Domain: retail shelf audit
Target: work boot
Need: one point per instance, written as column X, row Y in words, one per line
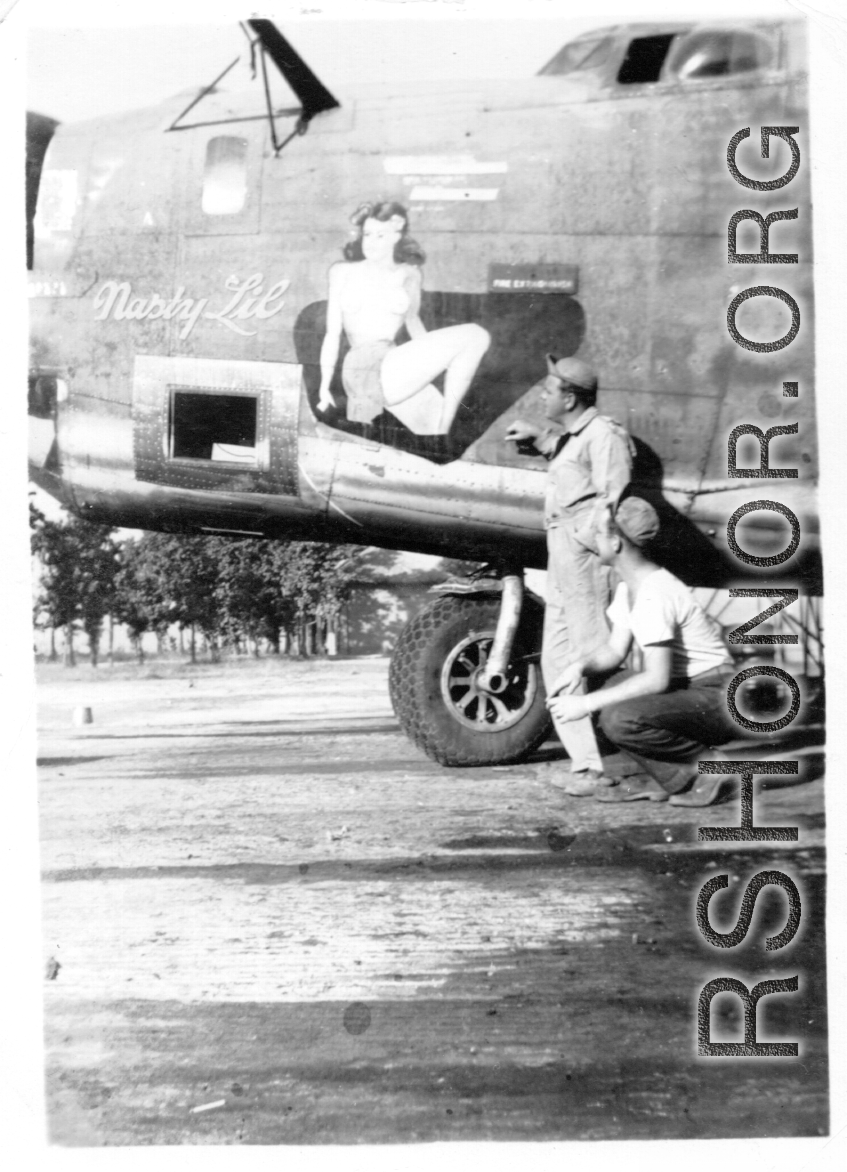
column 705, row 791
column 584, row 784
column 638, row 787
column 708, row 788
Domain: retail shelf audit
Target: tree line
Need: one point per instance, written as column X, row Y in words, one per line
column 287, row 596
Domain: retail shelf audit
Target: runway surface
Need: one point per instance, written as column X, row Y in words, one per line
column 270, row 920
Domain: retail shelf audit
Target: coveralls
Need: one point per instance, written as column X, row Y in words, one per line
column 589, row 467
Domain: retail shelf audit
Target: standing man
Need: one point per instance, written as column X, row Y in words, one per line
column 590, row 464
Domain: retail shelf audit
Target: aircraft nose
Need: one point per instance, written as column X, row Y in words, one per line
column 46, row 391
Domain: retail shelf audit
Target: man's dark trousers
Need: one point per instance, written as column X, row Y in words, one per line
column 667, row 734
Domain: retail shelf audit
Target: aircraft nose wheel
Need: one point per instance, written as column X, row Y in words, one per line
column 503, row 702
column 436, row 682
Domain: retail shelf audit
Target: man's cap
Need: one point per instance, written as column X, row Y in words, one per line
column 572, row 370
column 637, row 520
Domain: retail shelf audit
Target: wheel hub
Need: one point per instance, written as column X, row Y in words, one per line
column 502, row 702
column 493, row 685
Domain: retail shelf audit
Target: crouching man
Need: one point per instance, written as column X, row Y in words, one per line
column 673, row 712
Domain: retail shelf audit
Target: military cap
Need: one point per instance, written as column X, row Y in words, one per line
column 572, row 370
column 637, row 520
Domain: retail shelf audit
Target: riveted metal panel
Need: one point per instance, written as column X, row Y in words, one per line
column 275, row 386
column 283, row 427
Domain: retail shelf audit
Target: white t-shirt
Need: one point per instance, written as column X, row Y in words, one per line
column 665, row 611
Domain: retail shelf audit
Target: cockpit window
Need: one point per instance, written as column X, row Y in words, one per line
column 225, row 176
column 717, row 52
column 644, row 59
column 577, row 56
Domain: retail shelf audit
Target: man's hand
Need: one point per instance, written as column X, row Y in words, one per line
column 568, row 680
column 567, row 708
column 519, row 431
column 523, row 435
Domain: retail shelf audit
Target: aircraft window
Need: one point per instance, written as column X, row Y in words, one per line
column 578, row 55
column 213, row 427
column 716, row 53
column 225, row 176
column 44, row 393
column 644, row 59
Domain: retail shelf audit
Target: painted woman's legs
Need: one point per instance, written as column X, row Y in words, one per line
column 408, row 371
column 461, row 370
column 421, row 412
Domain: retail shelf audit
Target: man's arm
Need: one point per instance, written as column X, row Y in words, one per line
column 611, row 462
column 533, row 439
column 652, row 681
column 604, row 659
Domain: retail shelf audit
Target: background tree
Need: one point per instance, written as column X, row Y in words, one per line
column 186, row 569
column 141, row 599
column 96, row 567
column 79, row 563
column 251, row 594
column 48, row 611
column 318, row 578
column 232, row 589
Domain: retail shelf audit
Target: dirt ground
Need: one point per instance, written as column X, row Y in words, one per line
column 270, row 920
